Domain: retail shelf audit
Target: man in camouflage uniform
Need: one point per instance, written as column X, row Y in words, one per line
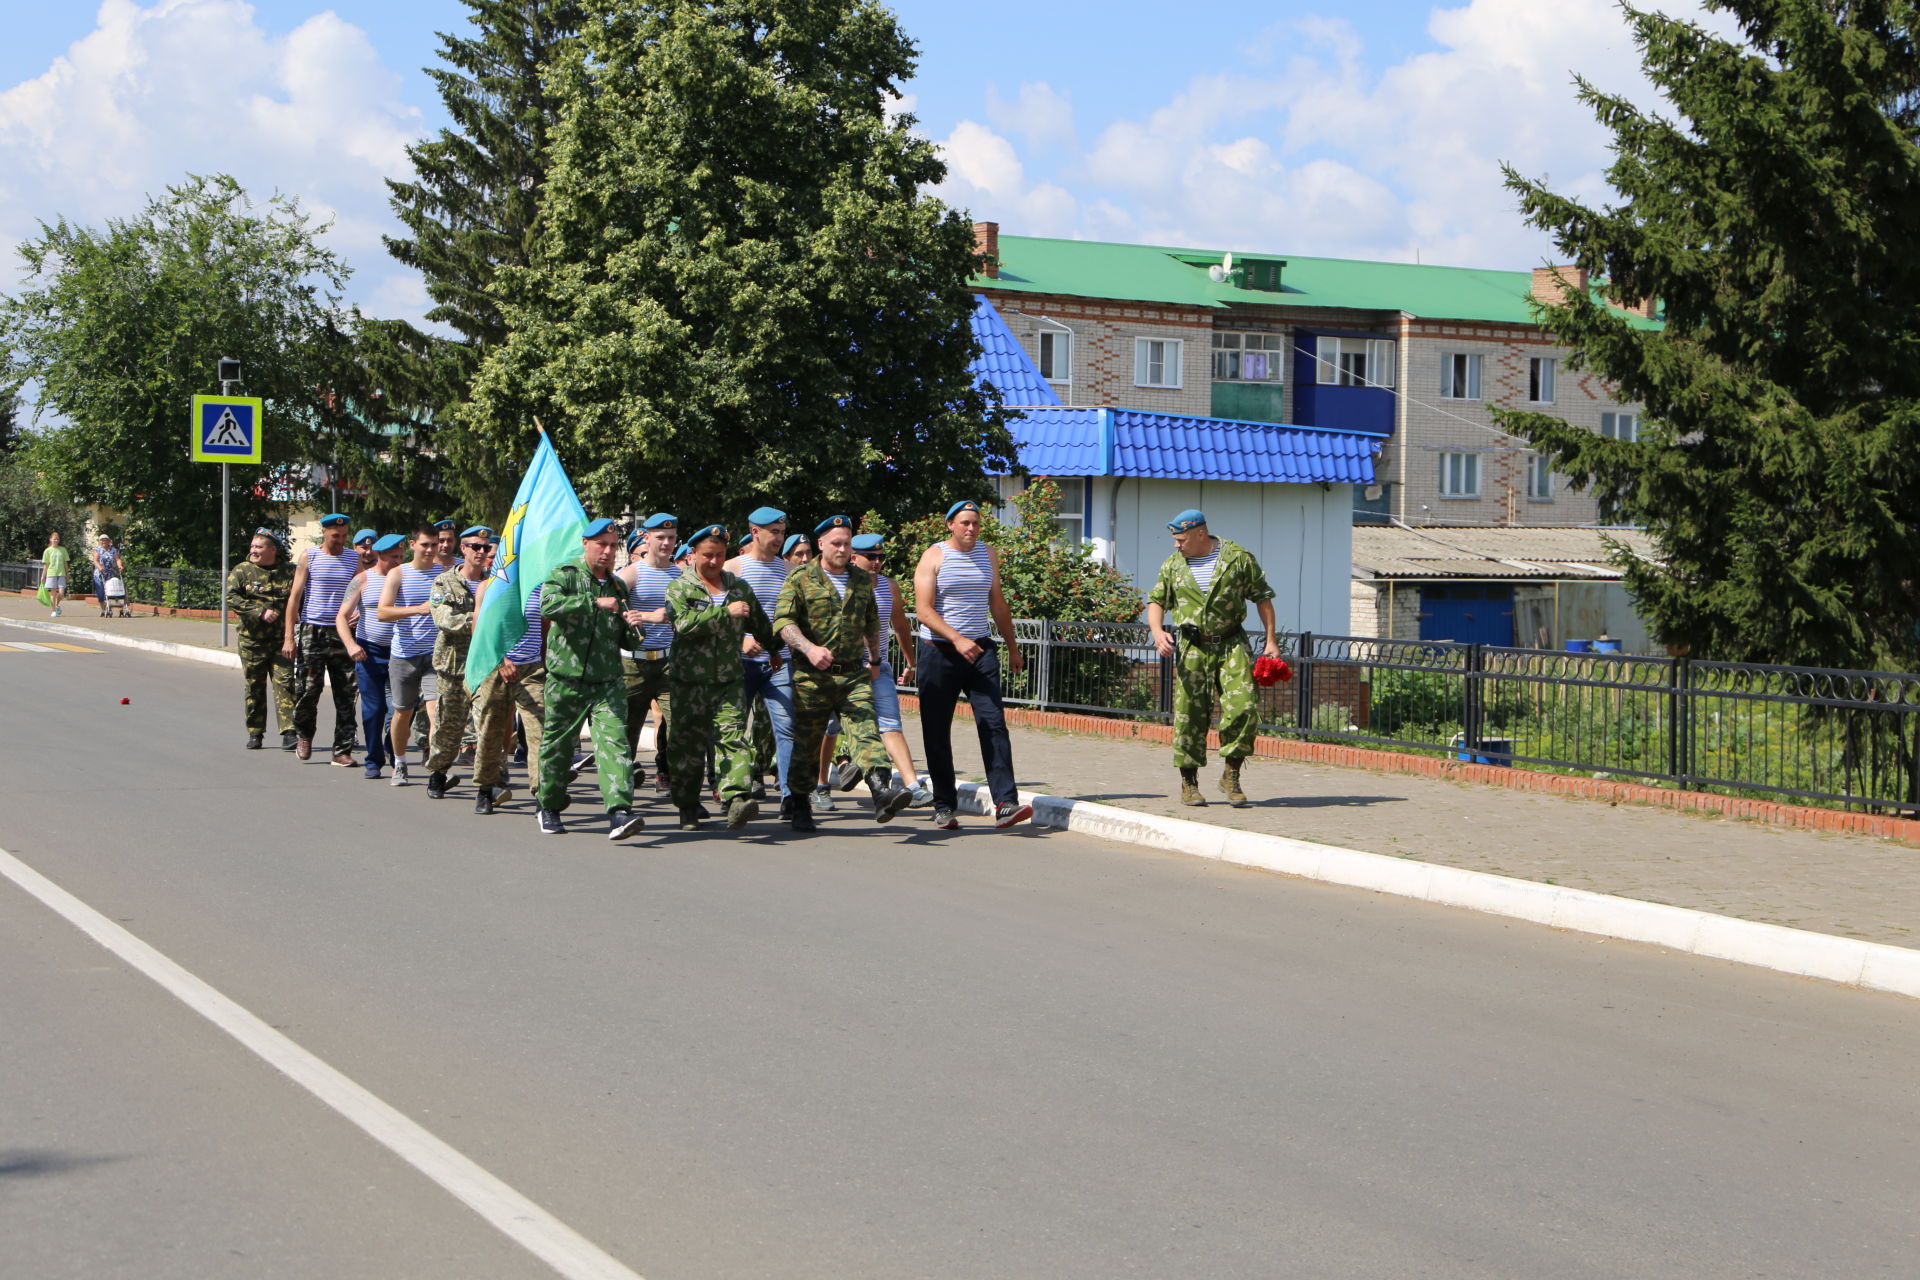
column 1207, row 584
column 589, row 624
column 454, row 594
column 710, row 610
column 257, row 591
column 828, row 616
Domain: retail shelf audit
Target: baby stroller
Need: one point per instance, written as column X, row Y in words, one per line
column 114, row 597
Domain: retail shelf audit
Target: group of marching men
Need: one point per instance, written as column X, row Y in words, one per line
column 783, row 630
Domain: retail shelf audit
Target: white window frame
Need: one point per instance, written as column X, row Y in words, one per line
column 1054, row 348
column 1540, row 375
column 1229, row 351
column 1172, row 354
column 1541, row 481
column 1620, row 426
column 1071, row 518
column 1459, row 375
column 1376, row 357
column 1459, row 475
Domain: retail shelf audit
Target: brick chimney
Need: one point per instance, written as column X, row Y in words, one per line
column 1552, row 291
column 986, row 243
column 1646, row 308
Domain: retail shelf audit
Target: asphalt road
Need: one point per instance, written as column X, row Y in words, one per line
column 877, row 1052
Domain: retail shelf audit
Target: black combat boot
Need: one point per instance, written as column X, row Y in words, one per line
column 888, row 799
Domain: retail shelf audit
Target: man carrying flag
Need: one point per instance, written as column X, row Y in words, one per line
column 542, row 530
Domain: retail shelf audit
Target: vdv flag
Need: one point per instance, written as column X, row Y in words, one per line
column 542, row 530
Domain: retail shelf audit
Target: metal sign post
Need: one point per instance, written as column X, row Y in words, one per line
column 226, row 429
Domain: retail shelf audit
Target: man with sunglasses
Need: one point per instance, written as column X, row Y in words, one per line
column 452, row 601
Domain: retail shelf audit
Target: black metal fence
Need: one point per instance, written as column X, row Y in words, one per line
column 158, row 588
column 1838, row 737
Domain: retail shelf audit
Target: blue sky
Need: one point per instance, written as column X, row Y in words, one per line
column 1367, row 128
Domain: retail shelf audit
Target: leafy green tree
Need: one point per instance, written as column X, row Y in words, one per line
column 1041, row 576
column 737, row 293
column 121, row 328
column 469, row 210
column 1778, row 464
column 28, row 513
column 10, row 440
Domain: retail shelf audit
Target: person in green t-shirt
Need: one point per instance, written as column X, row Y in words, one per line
column 53, row 563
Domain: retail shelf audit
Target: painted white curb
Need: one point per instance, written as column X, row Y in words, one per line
column 191, row 652
column 1850, row 961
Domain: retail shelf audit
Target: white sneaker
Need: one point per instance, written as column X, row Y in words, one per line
column 400, row 778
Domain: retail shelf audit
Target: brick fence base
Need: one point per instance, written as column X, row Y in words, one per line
column 157, row 610
column 1906, row 830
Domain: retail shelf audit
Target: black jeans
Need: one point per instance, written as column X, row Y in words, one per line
column 943, row 676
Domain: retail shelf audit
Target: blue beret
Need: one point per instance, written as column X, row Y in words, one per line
column 680, row 552
column 362, row 536
column 765, row 515
column 389, row 542
column 662, row 520
column 832, row 522
column 868, row 541
column 1188, row 519
column 331, row 519
column 962, row 505
column 595, row 528
column 478, row 528
column 448, row 523
column 793, row 540
column 699, row 536
column 633, row 539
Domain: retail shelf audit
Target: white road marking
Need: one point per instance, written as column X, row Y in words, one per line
column 506, row 1210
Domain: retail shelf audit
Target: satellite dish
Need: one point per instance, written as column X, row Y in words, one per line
column 1221, row 271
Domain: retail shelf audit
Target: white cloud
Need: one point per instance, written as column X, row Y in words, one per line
column 198, row 86
column 1319, row 153
column 985, row 176
column 1039, row 113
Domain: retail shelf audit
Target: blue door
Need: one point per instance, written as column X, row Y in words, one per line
column 1469, row 613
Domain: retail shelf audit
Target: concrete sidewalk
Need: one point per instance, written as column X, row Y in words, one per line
column 1850, row 886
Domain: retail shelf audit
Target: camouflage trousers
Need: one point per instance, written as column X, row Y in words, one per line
column 450, row 719
column 322, row 659
column 708, row 714
column 261, row 663
column 817, row 696
column 646, row 680
column 603, row 708
column 495, row 704
column 1206, row 673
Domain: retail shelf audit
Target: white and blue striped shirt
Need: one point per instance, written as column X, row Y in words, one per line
column 369, row 628
column 327, row 579
column 884, row 594
column 960, row 592
column 766, row 577
column 413, row 636
column 839, row 581
column 531, row 647
column 1202, row 567
column 650, row 593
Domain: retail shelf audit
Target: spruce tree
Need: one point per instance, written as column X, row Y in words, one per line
column 1778, row 465
column 470, row 210
column 738, row 293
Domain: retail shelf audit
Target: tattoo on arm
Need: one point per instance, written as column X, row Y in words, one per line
column 796, row 638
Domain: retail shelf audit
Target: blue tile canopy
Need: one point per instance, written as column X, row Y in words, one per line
column 1170, row 446
column 1003, row 362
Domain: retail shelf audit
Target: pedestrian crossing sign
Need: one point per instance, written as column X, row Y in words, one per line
column 226, row 428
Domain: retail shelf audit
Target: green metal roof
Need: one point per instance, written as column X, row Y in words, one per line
column 1156, row 273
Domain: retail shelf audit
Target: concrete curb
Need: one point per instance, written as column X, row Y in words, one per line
column 191, row 652
column 1873, row 965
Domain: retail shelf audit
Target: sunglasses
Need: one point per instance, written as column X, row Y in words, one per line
column 478, row 546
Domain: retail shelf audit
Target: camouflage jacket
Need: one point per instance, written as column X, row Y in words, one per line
column 584, row 642
column 451, row 603
column 252, row 590
column 844, row 626
column 706, row 638
column 1222, row 608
